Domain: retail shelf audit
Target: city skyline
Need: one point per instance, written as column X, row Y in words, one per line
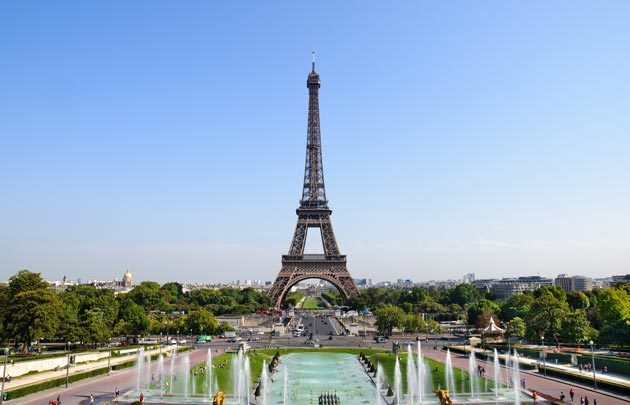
column 455, row 140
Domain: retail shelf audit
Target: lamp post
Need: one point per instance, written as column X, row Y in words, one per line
column 67, row 369
column 109, row 359
column 593, row 364
column 4, row 374
column 542, row 339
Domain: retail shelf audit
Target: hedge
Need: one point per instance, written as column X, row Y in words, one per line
column 489, row 357
column 30, row 389
column 614, row 365
column 587, row 379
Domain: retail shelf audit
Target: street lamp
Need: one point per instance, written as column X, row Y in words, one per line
column 593, row 364
column 542, row 339
column 67, row 368
column 4, row 374
column 109, row 359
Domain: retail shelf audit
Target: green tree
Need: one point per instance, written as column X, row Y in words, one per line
column 33, row 314
column 575, row 328
column 480, row 307
column 173, row 292
column 93, row 327
column 23, row 281
column 516, row 328
column 148, row 295
column 578, row 300
column 552, row 290
column 613, row 306
column 202, row 321
column 545, row 318
column 414, row 323
column 389, row 317
column 464, row 294
column 132, row 320
column 32, row 310
column 516, row 306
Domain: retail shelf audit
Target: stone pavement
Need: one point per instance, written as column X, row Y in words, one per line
column 551, row 387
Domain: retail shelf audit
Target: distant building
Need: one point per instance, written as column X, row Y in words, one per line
column 620, row 279
column 508, row 287
column 469, row 278
column 574, row 283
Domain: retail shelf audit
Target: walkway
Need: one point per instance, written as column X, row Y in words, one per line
column 613, row 378
column 548, row 386
column 30, row 379
column 102, row 387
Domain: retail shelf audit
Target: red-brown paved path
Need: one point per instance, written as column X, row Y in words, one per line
column 535, row 382
column 102, row 387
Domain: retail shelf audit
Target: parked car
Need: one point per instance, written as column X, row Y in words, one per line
column 234, row 339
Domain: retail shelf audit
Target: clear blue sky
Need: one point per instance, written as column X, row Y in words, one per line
column 458, row 137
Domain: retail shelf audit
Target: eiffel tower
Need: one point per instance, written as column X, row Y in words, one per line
column 313, row 213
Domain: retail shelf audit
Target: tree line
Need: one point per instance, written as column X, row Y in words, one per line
column 575, row 318
column 30, row 310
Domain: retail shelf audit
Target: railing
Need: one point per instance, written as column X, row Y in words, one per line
column 314, row 257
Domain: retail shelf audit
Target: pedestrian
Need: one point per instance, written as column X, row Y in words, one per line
column 58, row 399
column 594, row 401
column 585, row 400
column 571, row 394
column 91, row 399
column 534, row 395
column 581, row 400
column 142, row 398
column 561, row 396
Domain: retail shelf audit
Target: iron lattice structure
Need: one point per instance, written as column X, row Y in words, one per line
column 313, row 213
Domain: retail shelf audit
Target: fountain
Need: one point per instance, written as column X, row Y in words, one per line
column 148, row 375
column 378, row 383
column 448, row 374
column 397, row 383
column 186, row 372
column 160, row 371
column 241, row 377
column 411, row 377
column 497, row 371
column 172, row 370
column 209, row 380
column 473, row 373
column 420, row 374
column 516, row 376
column 139, row 366
column 263, row 384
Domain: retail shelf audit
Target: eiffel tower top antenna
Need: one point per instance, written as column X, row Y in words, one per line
column 313, row 191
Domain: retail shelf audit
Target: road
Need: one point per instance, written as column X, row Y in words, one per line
column 318, row 326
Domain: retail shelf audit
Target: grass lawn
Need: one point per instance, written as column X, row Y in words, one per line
column 312, row 303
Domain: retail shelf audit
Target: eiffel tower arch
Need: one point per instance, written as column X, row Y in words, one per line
column 313, row 212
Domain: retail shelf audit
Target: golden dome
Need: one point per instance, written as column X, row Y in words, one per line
column 127, row 279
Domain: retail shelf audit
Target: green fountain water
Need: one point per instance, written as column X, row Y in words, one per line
column 312, row 374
